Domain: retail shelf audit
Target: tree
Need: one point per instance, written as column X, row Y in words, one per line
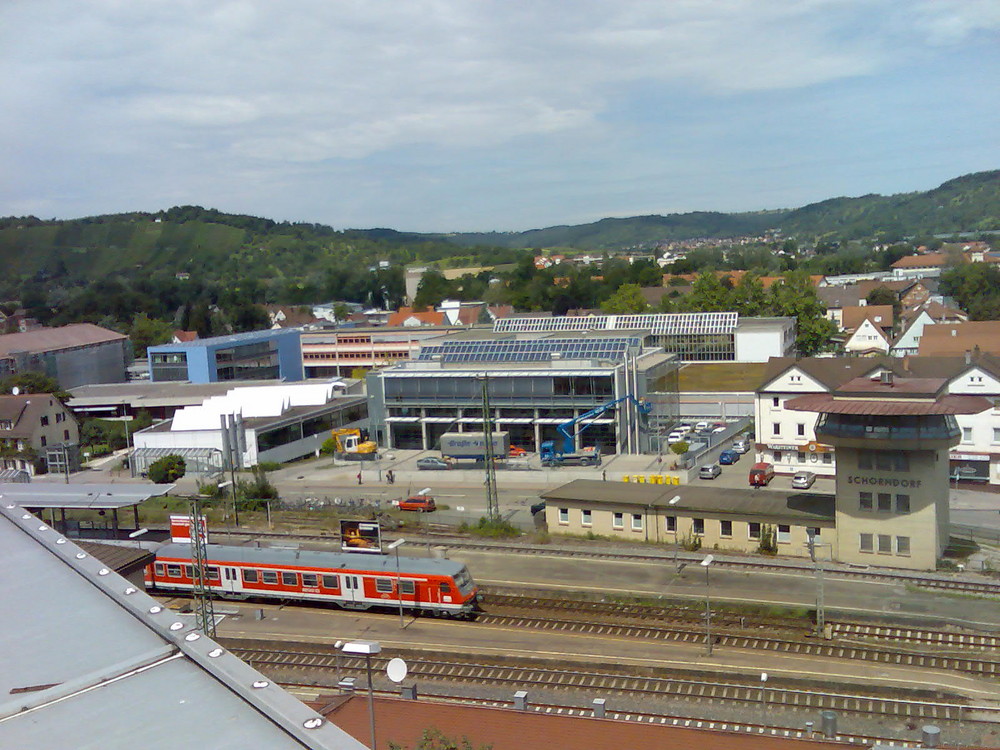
column 434, row 739
column 167, row 469
column 146, row 332
column 795, row 297
column 749, row 296
column 433, row 288
column 30, row 382
column 627, row 300
column 708, row 294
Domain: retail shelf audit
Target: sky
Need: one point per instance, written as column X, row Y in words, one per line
column 488, row 115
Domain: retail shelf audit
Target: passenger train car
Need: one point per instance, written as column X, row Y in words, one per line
column 351, row 580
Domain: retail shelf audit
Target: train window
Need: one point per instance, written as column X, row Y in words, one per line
column 445, row 588
column 212, row 573
column 331, row 582
column 250, row 576
column 309, row 580
column 270, row 576
column 174, row 571
column 462, row 578
column 383, row 585
column 409, row 587
column 160, row 569
column 189, row 572
column 290, row 579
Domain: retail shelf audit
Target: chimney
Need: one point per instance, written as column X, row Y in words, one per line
column 968, row 357
column 954, row 331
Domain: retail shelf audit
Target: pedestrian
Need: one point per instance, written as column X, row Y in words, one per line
column 390, row 476
column 359, row 477
column 604, row 475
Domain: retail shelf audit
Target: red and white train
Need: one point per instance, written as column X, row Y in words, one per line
column 351, row 580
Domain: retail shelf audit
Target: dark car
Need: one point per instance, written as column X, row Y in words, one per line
column 728, row 457
column 430, row 462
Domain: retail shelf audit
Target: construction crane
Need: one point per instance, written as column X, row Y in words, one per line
column 572, row 429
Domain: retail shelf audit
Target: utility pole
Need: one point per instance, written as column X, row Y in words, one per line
column 203, row 608
column 820, row 597
column 492, row 502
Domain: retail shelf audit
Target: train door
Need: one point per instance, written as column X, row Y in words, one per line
column 351, row 588
column 230, row 578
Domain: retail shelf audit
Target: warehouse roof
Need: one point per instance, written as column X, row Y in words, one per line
column 51, row 339
column 90, row 661
column 768, row 505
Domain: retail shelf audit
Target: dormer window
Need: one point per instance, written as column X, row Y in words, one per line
column 6, row 424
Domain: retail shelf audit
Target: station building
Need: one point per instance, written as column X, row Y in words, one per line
column 256, row 355
column 535, row 383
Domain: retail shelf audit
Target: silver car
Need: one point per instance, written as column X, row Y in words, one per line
column 803, row 480
column 711, row 471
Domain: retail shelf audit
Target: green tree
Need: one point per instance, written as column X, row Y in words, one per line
column 709, row 294
column 627, row 300
column 433, row 288
column 749, row 296
column 795, row 297
column 30, row 382
column 146, row 332
column 167, row 469
column 434, row 739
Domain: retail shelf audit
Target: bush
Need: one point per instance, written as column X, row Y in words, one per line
column 494, row 529
column 680, row 447
column 167, row 469
column 258, row 488
column 329, row 447
column 269, row 465
column 212, row 489
column 768, row 544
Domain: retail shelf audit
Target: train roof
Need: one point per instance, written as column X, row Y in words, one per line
column 317, row 559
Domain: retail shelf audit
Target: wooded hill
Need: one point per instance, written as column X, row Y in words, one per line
column 965, row 204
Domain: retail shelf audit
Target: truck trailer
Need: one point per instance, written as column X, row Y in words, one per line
column 471, row 446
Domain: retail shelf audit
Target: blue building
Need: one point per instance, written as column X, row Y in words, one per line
column 257, row 355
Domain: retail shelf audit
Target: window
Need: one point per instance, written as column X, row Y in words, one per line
column 776, row 402
column 564, row 515
column 249, row 576
column 698, row 525
column 996, row 434
column 776, row 428
column 189, row 572
column 45, row 420
column 672, row 524
column 800, row 429
column 289, row 579
column 586, row 518
column 867, row 542
column 966, row 434
column 159, row 569
column 902, row 545
column 902, row 503
column 331, row 582
column 65, row 434
column 212, row 573
column 884, row 543
column 407, row 587
column 865, row 500
column 801, row 457
column 784, row 533
column 777, row 457
column 444, row 588
column 753, row 530
column 813, row 533
column 270, row 576
column 618, row 521
column 383, row 585
column 828, row 458
column 637, row 522
column 725, row 528
column 884, row 502
column 865, row 460
column 174, row 571
column 44, row 441
column 309, row 580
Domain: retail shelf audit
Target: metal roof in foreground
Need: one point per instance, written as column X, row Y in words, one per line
column 81, row 496
column 89, row 661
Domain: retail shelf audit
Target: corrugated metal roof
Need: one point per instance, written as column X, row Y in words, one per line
column 51, row 339
column 80, row 496
column 307, row 558
column 91, row 662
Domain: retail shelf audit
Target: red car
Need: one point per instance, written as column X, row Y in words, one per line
column 516, row 452
column 418, row 503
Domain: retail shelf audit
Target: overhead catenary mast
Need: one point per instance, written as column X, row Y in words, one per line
column 492, row 503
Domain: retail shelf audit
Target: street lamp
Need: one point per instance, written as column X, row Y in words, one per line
column 399, row 591
column 366, row 649
column 708, row 605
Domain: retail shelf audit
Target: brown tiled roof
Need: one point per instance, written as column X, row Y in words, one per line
column 899, row 286
column 185, row 337
column 945, row 339
column 428, row 318
column 24, row 412
column 826, row 403
column 839, row 296
column 928, row 260
column 880, row 315
column 51, row 339
column 404, row 721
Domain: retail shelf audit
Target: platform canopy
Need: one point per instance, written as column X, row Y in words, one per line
column 81, row 496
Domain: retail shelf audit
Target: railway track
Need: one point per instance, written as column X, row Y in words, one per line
column 608, row 680
column 721, row 619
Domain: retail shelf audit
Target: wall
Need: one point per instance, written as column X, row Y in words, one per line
column 787, row 441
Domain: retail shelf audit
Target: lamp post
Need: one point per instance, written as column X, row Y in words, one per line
column 708, row 605
column 763, row 694
column 366, row 649
column 399, row 591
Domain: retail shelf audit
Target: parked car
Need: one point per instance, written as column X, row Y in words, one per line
column 418, row 503
column 431, row 462
column 761, row 474
column 701, row 426
column 710, row 471
column 803, row 480
column 517, row 451
column 741, row 445
column 728, row 457
column 683, row 427
column 676, row 437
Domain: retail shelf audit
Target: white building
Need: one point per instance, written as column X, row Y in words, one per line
column 787, row 438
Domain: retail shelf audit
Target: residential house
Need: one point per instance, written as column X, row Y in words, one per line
column 31, row 423
column 914, row 320
column 956, row 339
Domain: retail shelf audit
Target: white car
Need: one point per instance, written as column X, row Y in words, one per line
column 675, row 437
column 701, row 426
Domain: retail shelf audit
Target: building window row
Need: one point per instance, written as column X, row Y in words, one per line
column 884, row 460
column 803, row 458
column 883, row 544
column 882, row 502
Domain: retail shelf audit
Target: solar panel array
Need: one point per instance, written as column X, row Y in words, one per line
column 612, row 348
column 662, row 324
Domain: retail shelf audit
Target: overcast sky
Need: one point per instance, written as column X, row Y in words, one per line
column 460, row 115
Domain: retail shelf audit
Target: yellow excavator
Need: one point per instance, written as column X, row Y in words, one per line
column 349, row 441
